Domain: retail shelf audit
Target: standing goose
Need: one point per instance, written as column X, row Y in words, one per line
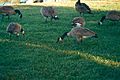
column 14, row 28
column 82, row 7
column 9, row 10
column 79, row 33
column 79, row 20
column 49, row 11
column 112, row 15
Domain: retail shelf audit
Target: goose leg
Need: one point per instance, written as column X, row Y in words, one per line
column 46, row 19
column 51, row 18
column 8, row 16
column 10, row 35
column 80, row 39
column 80, row 13
column 1, row 17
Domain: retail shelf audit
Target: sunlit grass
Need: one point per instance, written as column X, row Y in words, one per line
column 97, row 59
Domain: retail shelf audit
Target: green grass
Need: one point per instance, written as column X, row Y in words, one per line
column 37, row 56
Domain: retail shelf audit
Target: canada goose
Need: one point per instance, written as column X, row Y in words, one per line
column 9, row 10
column 49, row 11
column 82, row 7
column 111, row 15
column 79, row 20
column 79, row 33
column 14, row 28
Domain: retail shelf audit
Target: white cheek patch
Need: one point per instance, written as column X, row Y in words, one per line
column 60, row 39
column 68, row 34
column 86, row 36
column 18, row 34
column 23, row 32
column 78, row 24
column 100, row 23
column 56, row 16
column 15, row 32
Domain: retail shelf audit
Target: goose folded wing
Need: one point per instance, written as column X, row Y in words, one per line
column 85, row 5
column 7, row 9
column 84, row 32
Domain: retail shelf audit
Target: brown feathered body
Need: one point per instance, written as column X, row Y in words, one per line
column 79, row 20
column 112, row 15
column 9, row 10
column 79, row 33
column 82, row 7
column 49, row 11
column 15, row 28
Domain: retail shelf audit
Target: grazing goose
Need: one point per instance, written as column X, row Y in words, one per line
column 79, row 33
column 14, row 28
column 49, row 12
column 9, row 10
column 112, row 15
column 79, row 20
column 82, row 7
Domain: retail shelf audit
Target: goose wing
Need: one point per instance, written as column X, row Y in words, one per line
column 10, row 28
column 47, row 11
column 7, row 9
column 82, row 8
column 113, row 15
column 86, row 6
column 84, row 32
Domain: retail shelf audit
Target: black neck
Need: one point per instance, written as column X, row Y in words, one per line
column 64, row 35
column 78, row 2
column 102, row 19
column 21, row 30
column 18, row 12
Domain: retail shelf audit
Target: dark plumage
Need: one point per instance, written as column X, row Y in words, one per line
column 111, row 15
column 14, row 28
column 82, row 7
column 49, row 12
column 79, row 33
column 9, row 10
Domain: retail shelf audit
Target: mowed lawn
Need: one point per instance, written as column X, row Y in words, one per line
column 37, row 56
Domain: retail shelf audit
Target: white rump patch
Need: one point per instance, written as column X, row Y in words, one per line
column 86, row 36
column 68, row 34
